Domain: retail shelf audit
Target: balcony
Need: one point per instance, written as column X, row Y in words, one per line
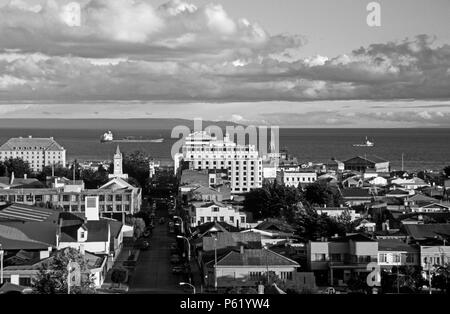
column 354, row 260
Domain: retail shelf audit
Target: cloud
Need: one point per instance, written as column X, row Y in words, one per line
column 131, row 50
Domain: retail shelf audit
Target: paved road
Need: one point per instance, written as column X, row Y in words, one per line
column 153, row 273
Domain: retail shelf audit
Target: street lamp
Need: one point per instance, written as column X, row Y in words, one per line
column 188, row 284
column 181, row 223
column 189, row 246
column 1, row 264
column 215, row 262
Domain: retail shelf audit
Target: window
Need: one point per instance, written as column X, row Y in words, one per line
column 222, row 218
column 383, row 258
column 286, row 275
column 231, row 219
column 336, row 257
column 119, row 208
column 202, row 220
column 255, row 275
column 319, row 257
column 243, row 219
column 215, row 209
column 396, row 258
column 208, row 219
column 118, row 198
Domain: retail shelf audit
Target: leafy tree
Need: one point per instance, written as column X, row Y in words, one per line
column 58, row 170
column 312, row 226
column 94, row 179
column 273, row 200
column 320, row 193
column 135, row 164
column 441, row 278
column 119, row 276
column 16, row 165
column 139, row 227
column 447, row 171
column 52, row 276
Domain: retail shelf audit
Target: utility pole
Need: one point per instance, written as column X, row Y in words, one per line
column 402, row 163
column 215, row 263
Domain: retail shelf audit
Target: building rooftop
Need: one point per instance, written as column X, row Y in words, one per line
column 424, row 231
column 396, row 245
column 255, row 257
column 355, row 192
column 27, row 213
column 31, row 144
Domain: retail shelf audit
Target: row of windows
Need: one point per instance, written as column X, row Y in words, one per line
column 64, row 198
column 293, row 179
column 204, row 219
column 103, row 208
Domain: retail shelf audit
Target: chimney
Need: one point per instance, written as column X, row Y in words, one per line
column 25, row 176
column 91, row 208
column 82, row 249
column 242, row 249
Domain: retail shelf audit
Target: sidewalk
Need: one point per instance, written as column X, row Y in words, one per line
column 122, row 257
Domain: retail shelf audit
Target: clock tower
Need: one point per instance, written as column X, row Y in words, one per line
column 118, row 164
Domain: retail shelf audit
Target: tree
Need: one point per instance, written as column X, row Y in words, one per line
column 52, row 276
column 119, row 275
column 138, row 226
column 273, row 200
column 58, row 171
column 16, row 165
column 94, row 179
column 320, row 193
column 135, row 164
column 447, row 171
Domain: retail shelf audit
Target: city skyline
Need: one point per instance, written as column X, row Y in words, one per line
column 298, row 64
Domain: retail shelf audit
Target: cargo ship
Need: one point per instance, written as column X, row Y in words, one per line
column 108, row 137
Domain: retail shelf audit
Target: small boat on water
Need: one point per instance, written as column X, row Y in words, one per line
column 108, row 137
column 366, row 144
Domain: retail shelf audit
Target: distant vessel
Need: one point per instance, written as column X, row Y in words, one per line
column 366, row 144
column 109, row 137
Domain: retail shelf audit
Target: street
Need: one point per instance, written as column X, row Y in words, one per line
column 153, row 273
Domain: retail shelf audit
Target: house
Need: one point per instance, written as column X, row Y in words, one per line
column 275, row 225
column 365, row 225
column 421, row 232
column 410, row 184
column 378, row 181
column 297, row 177
column 23, row 267
column 398, row 193
column 269, row 238
column 336, row 212
column 248, row 267
column 334, row 261
column 353, row 182
column 434, row 255
column 394, row 252
column 356, row 196
column 428, row 207
column 201, row 212
column 367, row 164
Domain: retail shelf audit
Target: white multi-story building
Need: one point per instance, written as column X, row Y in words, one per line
column 242, row 162
column 203, row 212
column 38, row 152
column 297, row 177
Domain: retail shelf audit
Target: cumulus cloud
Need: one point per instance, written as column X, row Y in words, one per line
column 130, row 50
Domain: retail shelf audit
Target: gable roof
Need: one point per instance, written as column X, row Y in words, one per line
column 31, row 143
column 424, row 231
column 27, row 213
column 27, row 235
column 370, row 158
column 396, row 245
column 255, row 257
column 275, row 225
column 355, row 192
column 97, row 231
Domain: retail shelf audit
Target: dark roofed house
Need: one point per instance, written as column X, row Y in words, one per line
column 421, row 232
column 275, row 225
column 248, row 267
column 356, row 196
column 369, row 163
column 396, row 252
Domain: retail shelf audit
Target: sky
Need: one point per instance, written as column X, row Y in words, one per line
column 291, row 63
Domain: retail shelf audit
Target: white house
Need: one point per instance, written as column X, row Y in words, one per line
column 336, row 212
column 202, row 212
